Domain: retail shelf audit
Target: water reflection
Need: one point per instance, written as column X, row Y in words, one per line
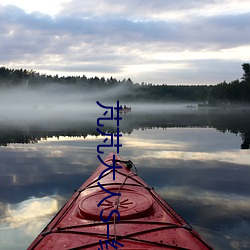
column 195, row 166
column 19, row 222
column 31, row 210
column 233, row 121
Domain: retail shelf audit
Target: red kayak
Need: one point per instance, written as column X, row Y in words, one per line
column 116, row 209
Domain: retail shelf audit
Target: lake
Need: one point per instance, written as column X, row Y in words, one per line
column 198, row 160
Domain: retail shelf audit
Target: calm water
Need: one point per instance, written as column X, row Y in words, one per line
column 193, row 158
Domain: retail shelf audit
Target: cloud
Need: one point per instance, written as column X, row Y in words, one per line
column 26, row 220
column 94, row 38
column 29, row 210
column 233, row 204
column 225, row 31
column 144, row 10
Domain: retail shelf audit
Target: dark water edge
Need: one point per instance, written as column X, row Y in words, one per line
column 193, row 160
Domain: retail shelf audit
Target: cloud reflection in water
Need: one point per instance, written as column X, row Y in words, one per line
column 25, row 220
column 198, row 171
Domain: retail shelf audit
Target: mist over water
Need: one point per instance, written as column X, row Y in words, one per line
column 60, row 102
column 59, row 107
column 55, row 102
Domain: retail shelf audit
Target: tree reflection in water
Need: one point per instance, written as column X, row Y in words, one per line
column 233, row 121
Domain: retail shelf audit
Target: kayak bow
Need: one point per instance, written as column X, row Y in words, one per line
column 124, row 213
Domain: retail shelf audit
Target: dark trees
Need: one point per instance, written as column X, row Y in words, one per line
column 223, row 93
column 246, row 69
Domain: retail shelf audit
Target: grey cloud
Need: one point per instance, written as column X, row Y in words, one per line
column 85, row 68
column 134, row 8
column 220, row 31
column 98, row 39
column 209, row 71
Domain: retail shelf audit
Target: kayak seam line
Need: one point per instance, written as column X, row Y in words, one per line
column 122, row 236
column 110, row 184
column 121, row 222
column 125, row 237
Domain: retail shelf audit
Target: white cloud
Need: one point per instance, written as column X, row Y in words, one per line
column 29, row 211
column 45, row 6
column 26, row 220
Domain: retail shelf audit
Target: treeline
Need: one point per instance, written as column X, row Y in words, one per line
column 237, row 91
column 234, row 92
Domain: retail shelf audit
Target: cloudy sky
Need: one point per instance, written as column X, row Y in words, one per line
column 154, row 41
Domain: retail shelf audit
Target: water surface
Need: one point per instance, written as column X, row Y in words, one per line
column 193, row 158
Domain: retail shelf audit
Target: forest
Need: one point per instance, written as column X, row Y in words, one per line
column 224, row 93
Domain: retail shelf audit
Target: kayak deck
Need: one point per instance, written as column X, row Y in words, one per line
column 143, row 219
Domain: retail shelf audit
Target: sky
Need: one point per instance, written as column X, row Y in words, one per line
column 151, row 41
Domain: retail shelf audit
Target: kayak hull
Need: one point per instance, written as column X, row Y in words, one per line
column 117, row 210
